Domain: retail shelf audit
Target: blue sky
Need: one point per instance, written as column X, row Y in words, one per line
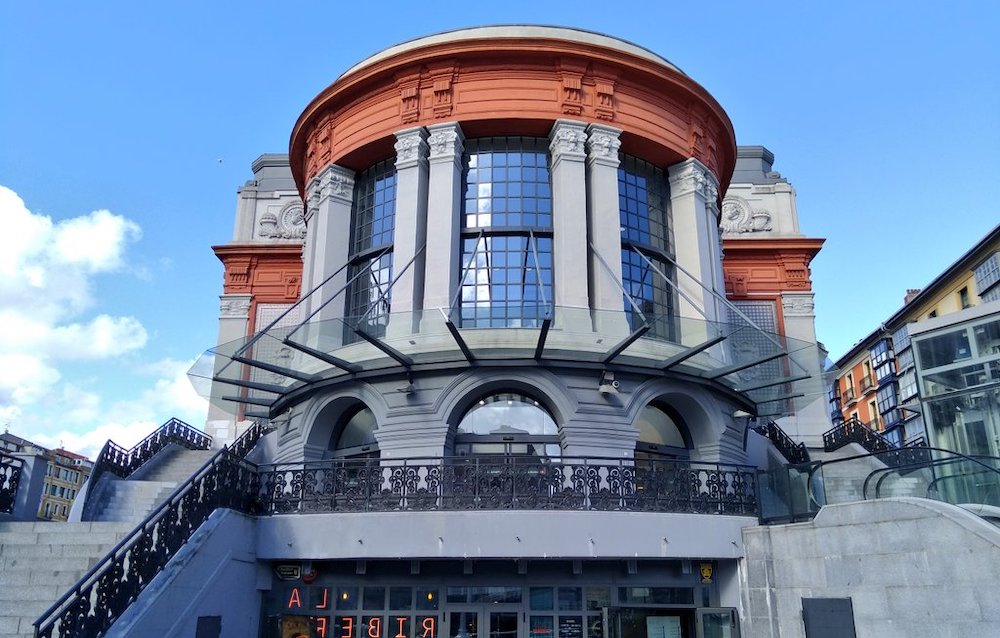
column 885, row 116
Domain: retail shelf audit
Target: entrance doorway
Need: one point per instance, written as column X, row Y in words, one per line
column 484, row 621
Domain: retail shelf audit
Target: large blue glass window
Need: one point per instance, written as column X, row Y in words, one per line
column 644, row 213
column 507, row 233
column 372, row 225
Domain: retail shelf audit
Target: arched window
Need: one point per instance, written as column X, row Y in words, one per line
column 506, row 233
column 354, row 435
column 660, row 435
column 647, row 242
column 373, row 218
column 507, row 424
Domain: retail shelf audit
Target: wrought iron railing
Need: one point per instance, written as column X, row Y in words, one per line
column 451, row 483
column 121, row 462
column 246, row 441
column 106, row 591
column 854, row 431
column 10, row 477
column 792, row 451
column 471, row 483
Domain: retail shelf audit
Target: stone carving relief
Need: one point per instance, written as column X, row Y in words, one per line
column 604, row 106
column 444, row 142
column 289, row 223
column 603, row 145
column 337, row 182
column 234, row 307
column 797, row 306
column 693, row 176
column 568, row 141
column 408, row 148
column 739, row 217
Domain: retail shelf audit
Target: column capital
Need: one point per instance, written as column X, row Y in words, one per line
column 603, row 145
column 691, row 176
column 411, row 147
column 797, row 304
column 567, row 141
column 334, row 182
column 234, row 306
column 447, row 143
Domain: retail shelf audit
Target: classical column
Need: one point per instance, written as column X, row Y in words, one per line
column 604, row 225
column 444, row 219
column 695, row 215
column 330, row 196
column 410, row 230
column 569, row 221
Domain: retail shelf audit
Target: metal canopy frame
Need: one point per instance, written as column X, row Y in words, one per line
column 684, row 355
column 736, row 367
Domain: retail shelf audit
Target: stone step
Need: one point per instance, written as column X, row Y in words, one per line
column 55, row 551
column 62, row 578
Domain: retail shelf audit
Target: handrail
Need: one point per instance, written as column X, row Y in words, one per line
column 11, row 469
column 793, row 452
column 122, row 463
column 225, row 480
column 855, row 431
column 957, row 457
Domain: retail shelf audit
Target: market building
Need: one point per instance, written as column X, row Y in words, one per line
column 512, row 296
column 516, row 342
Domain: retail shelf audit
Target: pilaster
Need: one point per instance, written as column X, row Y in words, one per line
column 234, row 323
column 444, row 216
column 694, row 192
column 604, row 228
column 410, row 228
column 330, row 198
column 569, row 205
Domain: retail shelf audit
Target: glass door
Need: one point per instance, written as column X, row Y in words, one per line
column 717, row 623
column 483, row 622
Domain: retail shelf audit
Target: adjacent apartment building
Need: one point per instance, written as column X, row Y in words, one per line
column 937, row 353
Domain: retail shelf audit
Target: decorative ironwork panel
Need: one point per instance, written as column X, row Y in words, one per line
column 10, row 477
column 506, row 483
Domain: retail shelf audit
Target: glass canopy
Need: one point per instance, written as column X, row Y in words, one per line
column 262, row 375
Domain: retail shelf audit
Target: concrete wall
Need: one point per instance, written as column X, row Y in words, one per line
column 214, row 574
column 912, row 567
column 514, row 534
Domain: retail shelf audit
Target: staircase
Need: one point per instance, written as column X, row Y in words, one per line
column 39, row 561
column 132, row 499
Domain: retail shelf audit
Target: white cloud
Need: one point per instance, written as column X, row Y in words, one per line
column 126, row 422
column 47, row 273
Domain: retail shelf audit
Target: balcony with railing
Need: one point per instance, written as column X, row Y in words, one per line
column 867, row 385
column 506, row 483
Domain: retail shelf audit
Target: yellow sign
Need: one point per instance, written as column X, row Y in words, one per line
column 706, row 573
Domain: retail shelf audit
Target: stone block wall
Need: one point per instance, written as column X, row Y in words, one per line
column 912, row 567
